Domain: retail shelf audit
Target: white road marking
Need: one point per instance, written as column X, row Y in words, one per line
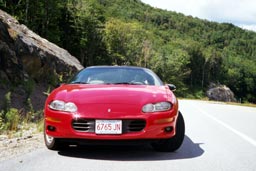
column 243, row 136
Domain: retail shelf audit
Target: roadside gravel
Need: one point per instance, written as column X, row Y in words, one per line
column 13, row 147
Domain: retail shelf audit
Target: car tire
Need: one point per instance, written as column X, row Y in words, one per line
column 172, row 144
column 52, row 143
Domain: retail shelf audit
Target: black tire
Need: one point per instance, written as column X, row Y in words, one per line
column 172, row 144
column 52, row 143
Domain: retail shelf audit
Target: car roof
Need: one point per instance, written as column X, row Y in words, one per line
column 117, row 66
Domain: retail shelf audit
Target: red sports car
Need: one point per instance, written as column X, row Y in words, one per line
column 116, row 105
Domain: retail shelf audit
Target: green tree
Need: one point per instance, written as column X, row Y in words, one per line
column 127, row 43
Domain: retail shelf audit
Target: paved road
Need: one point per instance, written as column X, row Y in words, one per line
column 218, row 137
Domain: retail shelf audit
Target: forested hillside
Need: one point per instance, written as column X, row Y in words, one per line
column 186, row 51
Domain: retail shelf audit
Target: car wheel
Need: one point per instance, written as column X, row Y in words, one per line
column 172, row 144
column 52, row 143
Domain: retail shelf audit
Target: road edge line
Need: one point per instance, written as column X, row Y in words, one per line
column 240, row 134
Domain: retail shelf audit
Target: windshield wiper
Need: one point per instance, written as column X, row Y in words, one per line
column 79, row 82
column 121, row 83
column 129, row 83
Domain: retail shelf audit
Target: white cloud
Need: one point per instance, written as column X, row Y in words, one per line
column 248, row 27
column 235, row 11
column 188, row 7
column 238, row 12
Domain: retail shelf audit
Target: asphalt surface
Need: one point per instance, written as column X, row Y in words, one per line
column 218, row 137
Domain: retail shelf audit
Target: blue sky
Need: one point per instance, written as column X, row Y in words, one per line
column 241, row 13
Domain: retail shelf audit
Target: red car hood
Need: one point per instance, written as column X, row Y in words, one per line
column 112, row 94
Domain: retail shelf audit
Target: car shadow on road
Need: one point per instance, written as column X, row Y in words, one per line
column 189, row 149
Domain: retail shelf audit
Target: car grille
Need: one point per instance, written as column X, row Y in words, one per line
column 133, row 125
column 84, row 125
column 88, row 125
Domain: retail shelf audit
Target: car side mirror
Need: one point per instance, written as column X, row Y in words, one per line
column 172, row 87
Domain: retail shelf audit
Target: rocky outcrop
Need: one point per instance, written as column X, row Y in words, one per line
column 29, row 63
column 24, row 54
column 220, row 93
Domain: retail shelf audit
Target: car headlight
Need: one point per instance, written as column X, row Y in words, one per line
column 62, row 106
column 157, row 107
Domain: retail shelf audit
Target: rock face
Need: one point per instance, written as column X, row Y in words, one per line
column 25, row 56
column 220, row 93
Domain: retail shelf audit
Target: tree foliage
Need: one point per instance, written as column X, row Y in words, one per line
column 184, row 50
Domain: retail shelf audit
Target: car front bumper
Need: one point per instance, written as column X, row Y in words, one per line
column 157, row 126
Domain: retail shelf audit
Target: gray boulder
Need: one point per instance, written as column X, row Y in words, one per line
column 220, row 93
column 30, row 64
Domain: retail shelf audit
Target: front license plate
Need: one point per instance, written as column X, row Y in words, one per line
column 108, row 127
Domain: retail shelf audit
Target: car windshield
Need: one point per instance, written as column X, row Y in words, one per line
column 117, row 75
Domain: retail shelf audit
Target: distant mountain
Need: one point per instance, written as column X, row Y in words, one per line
column 205, row 52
